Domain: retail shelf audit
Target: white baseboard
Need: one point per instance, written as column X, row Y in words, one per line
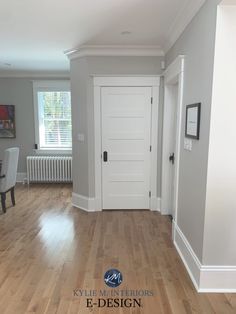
column 163, row 209
column 155, row 204
column 93, row 205
column 189, row 258
column 84, row 202
column 218, row 279
column 206, row 278
column 21, row 177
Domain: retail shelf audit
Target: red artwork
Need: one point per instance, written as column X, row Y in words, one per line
column 7, row 121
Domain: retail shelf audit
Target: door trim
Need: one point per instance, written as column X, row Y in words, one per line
column 173, row 74
column 123, row 81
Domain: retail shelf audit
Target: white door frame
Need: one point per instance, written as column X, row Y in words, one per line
column 122, row 81
column 174, row 74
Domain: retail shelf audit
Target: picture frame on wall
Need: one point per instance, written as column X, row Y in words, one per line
column 7, row 121
column 192, row 125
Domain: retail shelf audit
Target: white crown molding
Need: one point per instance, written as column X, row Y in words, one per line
column 177, row 28
column 206, row 278
column 25, row 74
column 115, row 51
column 228, row 2
column 181, row 22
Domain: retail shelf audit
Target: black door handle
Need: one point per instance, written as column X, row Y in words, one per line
column 105, row 156
column 172, row 158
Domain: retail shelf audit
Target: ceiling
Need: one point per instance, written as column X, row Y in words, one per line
column 35, row 34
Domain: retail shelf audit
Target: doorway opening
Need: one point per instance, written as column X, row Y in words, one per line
column 169, row 150
column 173, row 92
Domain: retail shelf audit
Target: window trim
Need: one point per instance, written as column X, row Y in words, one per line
column 45, row 85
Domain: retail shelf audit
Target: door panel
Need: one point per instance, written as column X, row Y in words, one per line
column 126, row 119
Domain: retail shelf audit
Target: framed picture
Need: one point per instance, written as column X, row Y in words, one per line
column 7, row 121
column 192, row 125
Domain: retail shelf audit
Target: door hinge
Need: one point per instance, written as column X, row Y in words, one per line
column 150, row 194
column 150, row 148
column 151, row 100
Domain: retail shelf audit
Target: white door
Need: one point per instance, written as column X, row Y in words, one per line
column 126, row 123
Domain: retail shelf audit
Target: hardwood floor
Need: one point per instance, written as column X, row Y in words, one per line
column 48, row 250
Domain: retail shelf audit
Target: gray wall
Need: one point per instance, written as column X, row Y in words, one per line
column 82, row 70
column 79, row 100
column 197, row 43
column 19, row 92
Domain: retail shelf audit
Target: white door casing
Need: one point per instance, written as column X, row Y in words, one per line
column 153, row 82
column 126, row 124
column 173, row 75
column 169, row 132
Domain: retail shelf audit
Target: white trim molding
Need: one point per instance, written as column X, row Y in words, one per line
column 181, row 22
column 85, row 203
column 206, row 278
column 174, row 69
column 54, row 152
column 46, row 85
column 155, row 205
column 35, row 75
column 172, row 75
column 149, row 81
column 128, row 80
column 189, row 258
column 21, row 177
column 218, row 279
column 115, row 51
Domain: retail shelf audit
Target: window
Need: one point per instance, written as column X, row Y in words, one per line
column 53, row 115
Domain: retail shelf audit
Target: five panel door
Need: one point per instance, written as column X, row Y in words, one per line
column 126, row 125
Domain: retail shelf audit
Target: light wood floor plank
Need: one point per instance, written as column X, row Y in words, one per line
column 48, row 249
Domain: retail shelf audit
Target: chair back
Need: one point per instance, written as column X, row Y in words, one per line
column 9, row 169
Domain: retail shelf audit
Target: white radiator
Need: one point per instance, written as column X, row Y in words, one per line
column 49, row 169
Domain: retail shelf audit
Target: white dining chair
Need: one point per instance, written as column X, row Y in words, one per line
column 8, row 175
